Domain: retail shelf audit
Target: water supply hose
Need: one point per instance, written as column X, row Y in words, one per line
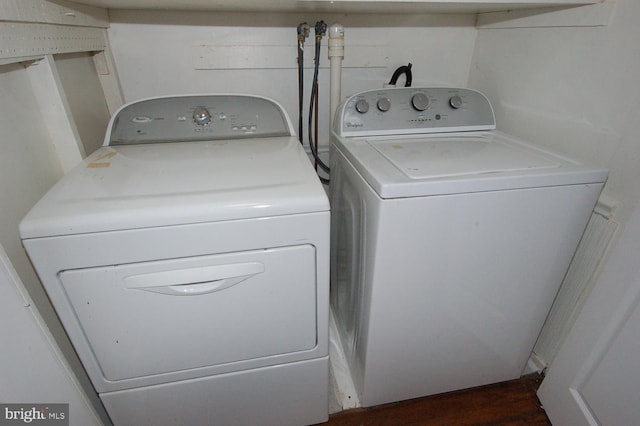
column 320, row 31
column 303, row 33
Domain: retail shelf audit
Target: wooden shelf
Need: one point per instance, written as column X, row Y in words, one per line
column 340, row 6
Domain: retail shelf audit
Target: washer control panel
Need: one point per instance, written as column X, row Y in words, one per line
column 410, row 110
column 197, row 117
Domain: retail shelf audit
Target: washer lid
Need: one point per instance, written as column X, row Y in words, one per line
column 459, row 163
column 140, row 186
column 461, row 155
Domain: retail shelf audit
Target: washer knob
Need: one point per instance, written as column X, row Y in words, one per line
column 420, row 101
column 362, row 106
column 384, row 104
column 201, row 116
column 455, row 102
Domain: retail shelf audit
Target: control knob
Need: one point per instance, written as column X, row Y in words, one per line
column 420, row 101
column 362, row 106
column 201, row 116
column 455, row 102
column 384, row 104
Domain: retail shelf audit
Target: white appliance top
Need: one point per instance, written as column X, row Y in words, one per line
column 412, row 142
column 222, row 157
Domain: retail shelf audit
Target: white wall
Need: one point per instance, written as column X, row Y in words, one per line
column 84, row 94
column 154, row 53
column 29, row 166
column 574, row 89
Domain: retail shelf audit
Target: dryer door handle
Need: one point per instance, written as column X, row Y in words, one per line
column 194, row 281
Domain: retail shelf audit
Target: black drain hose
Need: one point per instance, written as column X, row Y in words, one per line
column 406, row 70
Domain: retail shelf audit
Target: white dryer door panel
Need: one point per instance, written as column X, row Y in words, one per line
column 155, row 317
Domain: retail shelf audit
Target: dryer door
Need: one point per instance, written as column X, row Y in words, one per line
column 150, row 318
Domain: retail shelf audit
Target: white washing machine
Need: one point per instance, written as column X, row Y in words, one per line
column 449, row 240
column 188, row 260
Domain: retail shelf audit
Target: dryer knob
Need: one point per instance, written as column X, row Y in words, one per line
column 420, row 101
column 201, row 116
column 455, row 102
column 362, row 106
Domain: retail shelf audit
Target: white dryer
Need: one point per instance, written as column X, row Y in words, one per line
column 449, row 240
column 188, row 261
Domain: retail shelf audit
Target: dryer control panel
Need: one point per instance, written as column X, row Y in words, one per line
column 411, row 110
column 197, row 118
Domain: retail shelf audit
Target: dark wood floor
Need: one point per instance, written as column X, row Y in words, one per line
column 509, row 403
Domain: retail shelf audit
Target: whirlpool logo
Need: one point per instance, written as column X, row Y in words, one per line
column 37, row 414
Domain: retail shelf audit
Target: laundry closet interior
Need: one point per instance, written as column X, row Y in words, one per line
column 560, row 75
